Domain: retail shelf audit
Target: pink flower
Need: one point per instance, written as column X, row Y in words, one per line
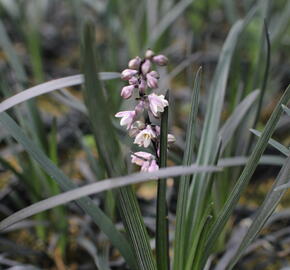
column 128, row 118
column 140, row 157
column 146, row 66
column 134, row 63
column 160, row 60
column 127, row 74
column 153, row 166
column 152, row 79
column 157, row 103
column 145, row 136
column 127, row 91
column 145, row 160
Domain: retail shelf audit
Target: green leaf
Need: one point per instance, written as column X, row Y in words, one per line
column 280, row 147
column 167, row 20
column 110, row 152
column 50, row 86
column 246, row 175
column 229, row 127
column 8, row 49
column 265, row 211
column 208, row 148
column 103, row 185
column 105, row 224
column 180, row 230
column 162, row 238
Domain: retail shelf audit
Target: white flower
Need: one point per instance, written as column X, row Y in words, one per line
column 145, row 136
column 157, row 103
column 128, row 118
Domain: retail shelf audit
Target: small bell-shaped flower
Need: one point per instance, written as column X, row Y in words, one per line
column 157, row 104
column 144, row 137
column 145, row 160
column 127, row 118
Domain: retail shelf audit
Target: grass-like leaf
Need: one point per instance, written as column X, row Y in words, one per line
column 8, row 49
column 265, row 211
column 49, row 87
column 229, row 127
column 208, row 148
column 280, row 147
column 167, row 20
column 110, row 152
column 104, row 223
column 100, row 186
column 180, row 230
column 246, row 174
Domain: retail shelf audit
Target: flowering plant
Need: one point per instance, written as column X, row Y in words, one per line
column 142, row 79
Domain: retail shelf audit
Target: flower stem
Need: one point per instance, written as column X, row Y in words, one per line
column 162, row 242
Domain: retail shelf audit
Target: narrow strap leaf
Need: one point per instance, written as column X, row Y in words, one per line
column 246, row 174
column 104, row 223
column 182, row 199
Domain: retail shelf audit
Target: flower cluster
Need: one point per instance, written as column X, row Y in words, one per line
column 141, row 81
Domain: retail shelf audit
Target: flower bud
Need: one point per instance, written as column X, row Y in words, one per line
column 133, row 81
column 140, row 107
column 127, row 91
column 160, row 60
column 134, row 63
column 154, row 74
column 135, row 128
column 151, row 81
column 142, row 86
column 127, row 74
column 149, row 53
column 146, row 66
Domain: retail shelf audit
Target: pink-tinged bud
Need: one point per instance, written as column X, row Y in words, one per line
column 151, row 81
column 134, row 63
column 160, row 60
column 154, row 74
column 149, row 53
column 133, row 81
column 127, row 91
column 145, row 160
column 146, row 66
column 140, row 107
column 142, row 86
column 127, row 74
